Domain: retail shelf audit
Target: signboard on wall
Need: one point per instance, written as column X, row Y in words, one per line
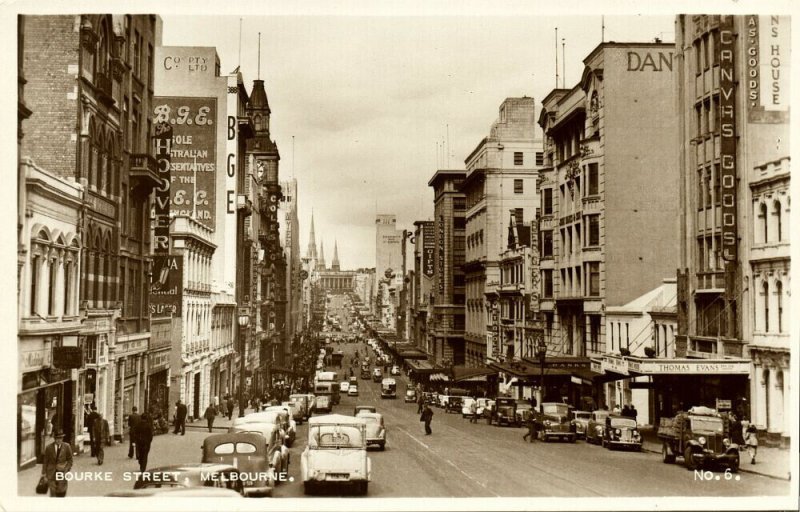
column 162, row 145
column 166, row 286
column 727, row 99
column 767, row 46
column 193, row 154
column 428, row 248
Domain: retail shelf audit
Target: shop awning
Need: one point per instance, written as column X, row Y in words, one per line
column 421, row 366
column 438, row 376
column 413, row 353
column 636, row 366
column 472, row 374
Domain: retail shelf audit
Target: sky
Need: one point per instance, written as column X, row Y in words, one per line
column 359, row 103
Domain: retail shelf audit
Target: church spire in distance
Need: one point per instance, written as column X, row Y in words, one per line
column 335, row 262
column 311, row 253
column 321, row 259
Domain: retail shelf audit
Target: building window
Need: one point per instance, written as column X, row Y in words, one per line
column 776, row 212
column 779, row 301
column 518, row 158
column 547, row 201
column 547, row 244
column 547, row 283
column 150, row 68
column 765, row 290
column 611, row 324
column 35, row 264
column 135, row 130
column 594, row 332
column 539, row 159
column 137, row 58
column 764, row 222
column 518, row 186
column 593, row 226
column 518, row 215
column 53, row 288
column 594, row 180
column 594, row 279
column 67, row 288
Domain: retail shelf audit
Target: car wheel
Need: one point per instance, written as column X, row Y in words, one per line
column 603, row 443
column 383, row 446
column 688, row 459
column 734, row 465
column 308, row 488
column 571, row 439
column 363, row 488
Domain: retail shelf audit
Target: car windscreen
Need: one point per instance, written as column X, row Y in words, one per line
column 707, row 424
column 623, row 422
column 334, row 437
column 582, row 416
column 555, row 409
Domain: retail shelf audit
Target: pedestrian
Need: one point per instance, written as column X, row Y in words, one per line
column 530, row 436
column 133, row 420
column 634, row 413
column 90, row 420
column 473, row 411
column 427, row 416
column 737, row 436
column 420, row 402
column 57, row 463
column 751, row 439
column 626, row 411
column 210, row 414
column 144, row 438
column 180, row 418
column 231, row 407
column 99, row 433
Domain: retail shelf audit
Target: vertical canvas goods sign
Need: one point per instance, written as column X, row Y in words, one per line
column 727, row 101
column 162, row 147
column 193, row 154
column 166, row 286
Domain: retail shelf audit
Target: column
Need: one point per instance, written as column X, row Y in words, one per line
column 758, row 407
column 787, row 411
column 136, row 388
column 42, row 289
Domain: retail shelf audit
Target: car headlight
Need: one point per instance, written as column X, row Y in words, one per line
column 598, row 429
column 546, row 423
column 701, row 440
column 635, row 433
column 726, row 441
column 617, row 431
column 319, row 475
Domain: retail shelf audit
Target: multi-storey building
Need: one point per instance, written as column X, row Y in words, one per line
column 388, row 262
column 424, row 272
column 290, row 237
column 90, row 88
column 606, row 233
column 734, row 276
column 501, row 174
column 446, row 324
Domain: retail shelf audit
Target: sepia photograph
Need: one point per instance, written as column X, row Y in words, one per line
column 401, row 256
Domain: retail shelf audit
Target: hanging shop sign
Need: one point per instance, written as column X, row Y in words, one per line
column 166, row 286
column 727, row 98
column 66, row 358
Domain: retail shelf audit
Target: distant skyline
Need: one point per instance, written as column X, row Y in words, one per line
column 367, row 99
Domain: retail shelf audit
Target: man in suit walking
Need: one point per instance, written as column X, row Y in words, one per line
column 90, row 421
column 180, row 418
column 144, row 438
column 133, row 422
column 427, row 416
column 57, row 462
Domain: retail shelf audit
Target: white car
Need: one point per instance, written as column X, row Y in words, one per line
column 395, row 370
column 376, row 430
column 344, row 386
column 336, row 454
column 283, row 417
column 352, row 390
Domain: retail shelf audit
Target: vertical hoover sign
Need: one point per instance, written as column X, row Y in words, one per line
column 727, row 100
column 162, row 144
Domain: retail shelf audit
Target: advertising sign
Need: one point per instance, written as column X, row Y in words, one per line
column 162, row 144
column 166, row 286
column 767, row 46
column 193, row 154
column 428, row 248
column 67, row 357
column 727, row 99
column 440, row 280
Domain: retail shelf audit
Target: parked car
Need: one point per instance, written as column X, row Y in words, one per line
column 364, row 408
column 595, row 429
column 552, row 421
column 504, row 412
column 411, row 395
column 220, row 476
column 524, row 409
column 430, row 398
column 248, row 452
column 352, row 390
column 701, row 436
column 622, row 431
column 278, row 456
column 376, row 430
column 336, row 454
column 395, row 370
column 454, row 404
column 581, row 419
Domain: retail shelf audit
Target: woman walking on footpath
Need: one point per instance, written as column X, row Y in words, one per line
column 751, row 439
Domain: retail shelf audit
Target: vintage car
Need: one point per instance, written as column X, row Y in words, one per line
column 352, row 390
column 364, row 408
column 201, row 475
column 395, row 370
column 377, row 374
column 295, row 411
column 388, row 388
column 248, row 452
column 453, row 404
column 365, row 375
column 524, row 410
column 344, row 386
column 278, row 456
column 596, row 428
column 411, row 395
column 286, row 421
column 581, row 419
column 303, row 402
column 376, row 431
column 323, row 397
column 336, row 455
column 552, row 421
column 430, row 398
column 353, row 381
column 621, row 431
column 504, row 412
column 701, row 436
column 466, row 404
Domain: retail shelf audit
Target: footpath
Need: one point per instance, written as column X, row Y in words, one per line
column 770, row 462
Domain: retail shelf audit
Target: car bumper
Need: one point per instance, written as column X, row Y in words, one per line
column 558, row 433
column 628, row 444
column 376, row 440
column 257, row 492
column 714, row 458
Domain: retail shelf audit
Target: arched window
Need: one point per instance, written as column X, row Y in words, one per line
column 36, row 262
column 776, row 211
column 258, row 122
column 764, row 222
column 779, row 303
column 98, row 271
column 90, row 158
column 110, row 166
column 765, row 293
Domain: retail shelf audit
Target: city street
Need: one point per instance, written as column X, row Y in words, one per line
column 459, row 459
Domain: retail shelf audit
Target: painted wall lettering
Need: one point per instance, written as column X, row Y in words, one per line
column 727, row 99
column 650, row 61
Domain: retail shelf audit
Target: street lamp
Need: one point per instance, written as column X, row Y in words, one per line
column 244, row 320
column 541, row 351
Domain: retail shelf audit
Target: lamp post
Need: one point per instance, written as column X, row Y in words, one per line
column 244, row 320
column 541, row 351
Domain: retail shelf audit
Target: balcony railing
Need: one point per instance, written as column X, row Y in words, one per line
column 144, row 171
